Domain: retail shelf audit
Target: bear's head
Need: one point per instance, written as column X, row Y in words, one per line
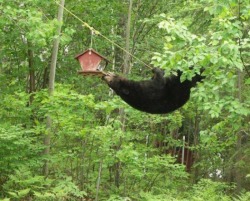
column 114, row 81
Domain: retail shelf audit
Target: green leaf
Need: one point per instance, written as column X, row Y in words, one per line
column 23, row 193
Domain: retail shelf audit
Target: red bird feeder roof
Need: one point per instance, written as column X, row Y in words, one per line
column 92, row 63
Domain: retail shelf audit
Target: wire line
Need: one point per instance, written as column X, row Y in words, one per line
column 98, row 33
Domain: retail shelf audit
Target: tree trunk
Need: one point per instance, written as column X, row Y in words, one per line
column 51, row 86
column 98, row 181
column 126, row 68
column 126, row 71
column 196, row 143
column 238, row 158
column 32, row 83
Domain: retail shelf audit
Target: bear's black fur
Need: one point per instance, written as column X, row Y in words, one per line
column 156, row 96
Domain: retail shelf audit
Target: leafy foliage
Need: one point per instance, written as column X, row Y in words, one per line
column 102, row 149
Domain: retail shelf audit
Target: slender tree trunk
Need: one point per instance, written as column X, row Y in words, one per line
column 196, row 143
column 98, row 181
column 126, row 68
column 183, row 151
column 32, row 83
column 45, row 78
column 51, row 86
column 126, row 71
column 238, row 172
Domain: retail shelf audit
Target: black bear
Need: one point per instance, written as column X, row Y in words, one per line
column 156, row 96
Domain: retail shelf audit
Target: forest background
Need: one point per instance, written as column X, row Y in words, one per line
column 76, row 140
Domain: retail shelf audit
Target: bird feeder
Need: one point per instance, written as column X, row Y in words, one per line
column 92, row 63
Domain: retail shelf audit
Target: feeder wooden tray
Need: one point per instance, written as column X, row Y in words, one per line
column 92, row 73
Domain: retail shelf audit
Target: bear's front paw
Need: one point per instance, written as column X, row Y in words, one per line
column 108, row 77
